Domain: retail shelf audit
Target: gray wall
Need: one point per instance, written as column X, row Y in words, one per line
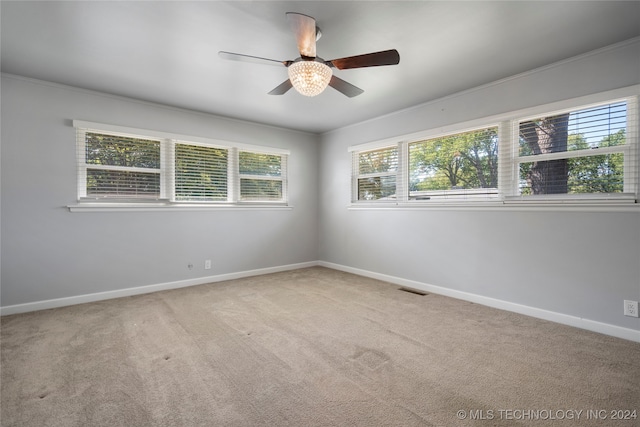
column 49, row 252
column 576, row 263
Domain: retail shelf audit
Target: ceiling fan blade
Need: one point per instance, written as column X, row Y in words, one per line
column 282, row 88
column 344, row 87
column 248, row 58
column 304, row 29
column 375, row 59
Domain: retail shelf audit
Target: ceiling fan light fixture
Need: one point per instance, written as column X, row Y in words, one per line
column 309, row 78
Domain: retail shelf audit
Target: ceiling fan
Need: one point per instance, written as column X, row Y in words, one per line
column 309, row 74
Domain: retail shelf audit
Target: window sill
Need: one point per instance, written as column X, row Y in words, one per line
column 155, row 207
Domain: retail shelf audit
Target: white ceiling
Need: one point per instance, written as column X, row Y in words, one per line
column 166, row 52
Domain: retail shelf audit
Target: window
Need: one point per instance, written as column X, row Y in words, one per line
column 574, row 152
column 585, row 151
column 200, row 173
column 120, row 167
column 454, row 166
column 261, row 176
column 124, row 166
column 376, row 173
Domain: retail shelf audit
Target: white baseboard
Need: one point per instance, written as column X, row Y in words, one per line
column 565, row 319
column 578, row 322
column 99, row 296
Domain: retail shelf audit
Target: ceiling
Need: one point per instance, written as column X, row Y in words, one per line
column 166, row 52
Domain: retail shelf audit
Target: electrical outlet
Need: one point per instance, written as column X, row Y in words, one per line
column 631, row 308
column 207, row 264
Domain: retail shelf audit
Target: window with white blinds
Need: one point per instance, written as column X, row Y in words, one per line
column 582, row 152
column 376, row 174
column 119, row 167
column 123, row 165
column 579, row 151
column 200, row 173
column 261, row 176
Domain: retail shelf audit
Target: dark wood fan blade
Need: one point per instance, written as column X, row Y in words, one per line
column 304, row 29
column 344, row 87
column 282, row 88
column 248, row 58
column 375, row 59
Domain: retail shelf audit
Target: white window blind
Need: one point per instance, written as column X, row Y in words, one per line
column 585, row 151
column 576, row 152
column 376, row 174
column 200, row 173
column 262, row 176
column 123, row 166
column 118, row 167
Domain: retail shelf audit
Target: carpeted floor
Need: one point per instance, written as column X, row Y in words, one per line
column 310, row 347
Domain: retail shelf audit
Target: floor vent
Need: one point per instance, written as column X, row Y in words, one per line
column 413, row 291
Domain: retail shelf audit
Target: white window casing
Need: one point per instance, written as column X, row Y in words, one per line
column 191, row 171
column 110, row 162
column 588, row 117
column 375, row 174
column 262, row 176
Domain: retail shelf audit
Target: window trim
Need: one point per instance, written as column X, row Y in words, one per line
column 508, row 161
column 83, row 166
column 489, row 192
column 397, row 172
column 166, row 200
column 631, row 190
column 171, row 175
column 239, row 176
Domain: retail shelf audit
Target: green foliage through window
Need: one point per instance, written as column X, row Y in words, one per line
column 260, row 164
column 123, row 166
column 579, row 154
column 260, row 176
column 200, row 173
column 376, row 174
column 256, row 189
column 108, row 157
column 583, row 131
column 103, row 183
column 121, row 151
column 377, row 187
column 456, row 162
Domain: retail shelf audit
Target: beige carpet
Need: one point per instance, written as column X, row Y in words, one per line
column 310, row 347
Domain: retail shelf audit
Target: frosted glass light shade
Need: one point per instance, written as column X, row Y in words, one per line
column 309, row 78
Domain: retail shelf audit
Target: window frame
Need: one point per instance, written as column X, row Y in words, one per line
column 509, row 160
column 468, row 194
column 358, row 176
column 167, row 171
column 171, row 178
column 240, row 176
column 83, row 166
column 628, row 150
